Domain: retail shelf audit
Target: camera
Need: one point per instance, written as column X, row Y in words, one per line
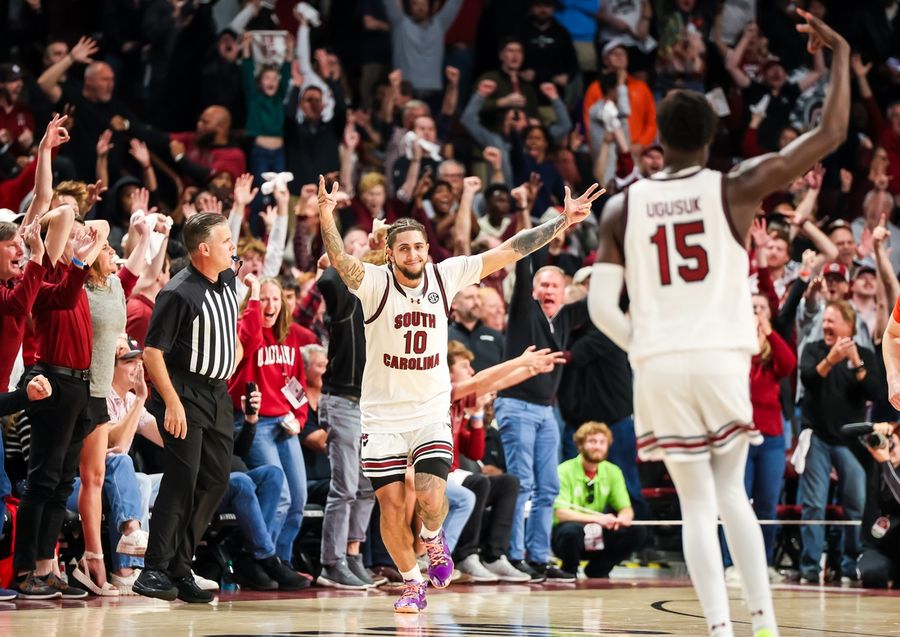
column 250, row 410
column 874, row 440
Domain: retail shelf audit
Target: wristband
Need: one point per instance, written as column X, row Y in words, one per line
column 477, row 414
column 79, row 263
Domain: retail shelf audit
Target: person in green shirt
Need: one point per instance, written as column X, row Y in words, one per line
column 592, row 513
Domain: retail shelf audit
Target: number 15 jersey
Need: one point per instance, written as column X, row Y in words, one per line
column 686, row 269
column 406, row 380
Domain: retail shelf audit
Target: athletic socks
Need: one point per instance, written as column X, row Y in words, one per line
column 413, row 574
column 428, row 535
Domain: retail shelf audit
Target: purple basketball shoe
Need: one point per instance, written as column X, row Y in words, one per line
column 413, row 598
column 440, row 564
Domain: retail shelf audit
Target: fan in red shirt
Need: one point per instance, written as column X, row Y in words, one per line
column 272, row 360
column 765, row 463
column 471, row 393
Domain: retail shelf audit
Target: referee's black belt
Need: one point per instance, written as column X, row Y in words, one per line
column 198, row 381
column 79, row 374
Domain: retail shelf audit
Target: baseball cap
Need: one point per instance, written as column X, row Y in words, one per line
column 8, row 216
column 134, row 350
column 863, row 266
column 612, row 44
column 10, row 72
column 581, row 275
column 835, row 269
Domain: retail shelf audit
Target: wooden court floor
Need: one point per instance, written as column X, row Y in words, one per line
column 586, row 608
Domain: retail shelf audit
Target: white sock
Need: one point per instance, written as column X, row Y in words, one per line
column 744, row 535
column 697, row 493
column 413, row 574
column 428, row 535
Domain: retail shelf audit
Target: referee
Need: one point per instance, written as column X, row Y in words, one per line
column 189, row 353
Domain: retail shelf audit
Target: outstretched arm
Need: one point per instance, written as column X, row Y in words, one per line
column 527, row 241
column 348, row 267
column 752, row 180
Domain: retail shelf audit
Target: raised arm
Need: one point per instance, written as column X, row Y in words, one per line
column 55, row 135
column 752, row 180
column 348, row 267
column 278, row 234
column 462, row 223
column 509, row 373
column 527, row 241
column 49, row 79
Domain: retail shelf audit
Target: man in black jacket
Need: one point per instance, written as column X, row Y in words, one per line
column 312, row 145
column 484, row 342
column 529, row 428
column 350, row 497
column 839, row 378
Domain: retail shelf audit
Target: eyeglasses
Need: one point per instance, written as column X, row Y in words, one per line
column 589, row 485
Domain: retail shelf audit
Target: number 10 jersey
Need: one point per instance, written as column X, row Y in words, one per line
column 686, row 269
column 406, row 379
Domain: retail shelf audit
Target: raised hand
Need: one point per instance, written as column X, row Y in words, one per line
column 244, row 192
column 493, row 156
column 550, row 91
column 252, row 282
column 209, row 203
column 140, row 200
column 856, row 64
column 84, row 49
column 31, row 235
column 140, row 385
column 351, row 137
column 880, row 233
column 820, row 34
column 452, row 75
column 84, row 243
column 395, row 78
column 577, row 209
column 140, row 226
column 104, row 143
column 268, row 217
column 95, row 193
column 760, row 233
column 56, row 133
column 140, row 152
column 486, row 87
column 471, row 185
column 327, row 200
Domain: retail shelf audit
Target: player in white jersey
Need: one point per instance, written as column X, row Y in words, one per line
column 405, row 402
column 677, row 240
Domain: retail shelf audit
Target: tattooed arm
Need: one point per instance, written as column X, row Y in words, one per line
column 527, row 241
column 348, row 267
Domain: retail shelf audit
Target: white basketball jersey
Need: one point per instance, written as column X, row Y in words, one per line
column 685, row 268
column 406, row 380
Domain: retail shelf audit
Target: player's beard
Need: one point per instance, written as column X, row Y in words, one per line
column 409, row 274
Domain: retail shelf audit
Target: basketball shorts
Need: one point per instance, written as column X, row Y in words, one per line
column 688, row 405
column 385, row 456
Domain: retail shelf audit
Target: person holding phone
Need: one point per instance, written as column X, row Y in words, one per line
column 272, row 360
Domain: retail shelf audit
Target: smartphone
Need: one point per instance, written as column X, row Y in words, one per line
column 249, row 389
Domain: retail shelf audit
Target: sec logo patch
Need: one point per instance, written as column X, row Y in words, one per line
column 433, row 297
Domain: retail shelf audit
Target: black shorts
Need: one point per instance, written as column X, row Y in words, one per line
column 96, row 412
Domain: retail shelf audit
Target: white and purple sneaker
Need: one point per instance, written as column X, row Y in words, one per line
column 440, row 564
column 413, row 598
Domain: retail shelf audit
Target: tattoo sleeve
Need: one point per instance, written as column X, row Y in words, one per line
column 349, row 268
column 528, row 241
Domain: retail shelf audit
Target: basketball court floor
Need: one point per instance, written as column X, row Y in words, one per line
column 660, row 607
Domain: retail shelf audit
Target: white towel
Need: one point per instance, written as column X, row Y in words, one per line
column 798, row 458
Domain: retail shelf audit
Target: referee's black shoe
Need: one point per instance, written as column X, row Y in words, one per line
column 156, row 584
column 189, row 592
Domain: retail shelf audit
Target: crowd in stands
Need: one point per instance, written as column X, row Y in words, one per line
column 121, row 120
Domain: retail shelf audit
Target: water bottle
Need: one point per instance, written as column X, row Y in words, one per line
column 228, row 585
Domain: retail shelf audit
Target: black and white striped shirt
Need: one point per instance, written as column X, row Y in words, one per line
column 194, row 322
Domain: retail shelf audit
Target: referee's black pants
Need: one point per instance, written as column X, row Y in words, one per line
column 59, row 424
column 195, row 473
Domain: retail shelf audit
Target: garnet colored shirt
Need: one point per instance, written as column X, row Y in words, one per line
column 62, row 319
column 139, row 308
column 16, row 299
column 269, row 364
column 466, row 440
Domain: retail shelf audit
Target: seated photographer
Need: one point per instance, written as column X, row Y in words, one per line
column 880, row 561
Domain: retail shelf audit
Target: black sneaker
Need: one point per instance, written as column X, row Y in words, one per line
column 552, row 573
column 156, row 584
column 251, row 574
column 34, row 587
column 189, row 592
column 286, row 578
column 65, row 590
column 536, row 576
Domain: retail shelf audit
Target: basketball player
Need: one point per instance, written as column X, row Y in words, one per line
column 677, row 239
column 405, row 401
